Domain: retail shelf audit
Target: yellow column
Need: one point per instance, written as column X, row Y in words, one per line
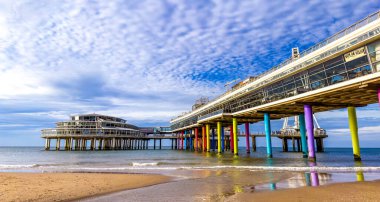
column 354, row 132
column 219, row 131
column 234, row 125
column 208, row 136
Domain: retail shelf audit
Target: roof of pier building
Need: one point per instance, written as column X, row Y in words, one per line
column 355, row 37
column 96, row 117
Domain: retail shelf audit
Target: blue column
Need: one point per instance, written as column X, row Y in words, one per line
column 268, row 134
column 213, row 139
column 301, row 119
column 222, row 139
column 185, row 141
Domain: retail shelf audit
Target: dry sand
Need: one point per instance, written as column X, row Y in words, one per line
column 352, row 191
column 69, row 186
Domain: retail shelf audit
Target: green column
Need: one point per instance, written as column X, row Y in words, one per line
column 354, row 132
column 234, row 124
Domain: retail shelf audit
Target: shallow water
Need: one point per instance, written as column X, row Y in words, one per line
column 199, row 176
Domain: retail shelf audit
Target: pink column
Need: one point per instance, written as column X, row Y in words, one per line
column 247, row 137
column 232, row 139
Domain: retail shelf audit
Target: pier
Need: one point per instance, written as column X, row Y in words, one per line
column 340, row 72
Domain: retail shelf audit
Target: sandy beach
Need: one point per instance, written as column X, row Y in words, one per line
column 69, row 186
column 350, row 191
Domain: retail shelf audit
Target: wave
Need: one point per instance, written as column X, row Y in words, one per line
column 140, row 164
column 2, row 166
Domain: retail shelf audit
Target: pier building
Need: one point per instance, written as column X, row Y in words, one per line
column 342, row 71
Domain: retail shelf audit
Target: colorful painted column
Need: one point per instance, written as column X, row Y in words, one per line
column 247, row 138
column 196, row 139
column 352, row 120
column 213, row 145
column 222, row 139
column 268, row 134
column 219, row 132
column 204, row 145
column 232, row 139
column 235, row 129
column 182, row 139
column 185, row 141
column 310, row 131
column 301, row 119
column 208, row 136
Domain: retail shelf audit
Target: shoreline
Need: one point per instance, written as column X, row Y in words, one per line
column 18, row 186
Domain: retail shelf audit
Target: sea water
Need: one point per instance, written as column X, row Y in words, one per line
column 199, row 176
column 30, row 159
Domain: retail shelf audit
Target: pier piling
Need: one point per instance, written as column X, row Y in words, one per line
column 268, row 134
column 310, row 131
column 353, row 124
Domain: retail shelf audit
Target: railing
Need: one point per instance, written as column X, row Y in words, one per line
column 329, row 40
column 220, row 111
column 46, row 133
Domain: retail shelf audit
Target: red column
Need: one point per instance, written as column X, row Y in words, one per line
column 204, row 138
column 196, row 139
column 247, row 137
column 232, row 138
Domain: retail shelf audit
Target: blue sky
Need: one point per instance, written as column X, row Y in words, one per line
column 147, row 61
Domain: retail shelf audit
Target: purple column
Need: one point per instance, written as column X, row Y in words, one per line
column 247, row 137
column 310, row 131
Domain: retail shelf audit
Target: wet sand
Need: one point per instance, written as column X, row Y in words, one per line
column 69, row 186
column 349, row 191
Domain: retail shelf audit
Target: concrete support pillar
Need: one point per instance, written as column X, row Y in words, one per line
column 58, row 144
column 301, row 119
column 310, row 131
column 208, row 137
column 219, row 132
column 253, row 143
column 268, row 135
column 235, row 129
column 160, row 143
column 247, row 138
column 352, row 120
column 196, row 139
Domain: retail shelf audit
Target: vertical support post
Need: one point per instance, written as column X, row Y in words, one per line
column 213, row 139
column 222, row 138
column 310, row 131
column 196, row 139
column 232, row 139
column 247, row 138
column 219, row 132
column 204, row 145
column 234, row 125
column 352, row 120
column 185, row 140
column 182, row 137
column 301, row 119
column 160, row 143
column 253, row 143
column 208, row 136
column 268, row 135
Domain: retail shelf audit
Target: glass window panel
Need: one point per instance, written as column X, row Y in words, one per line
column 333, row 62
column 361, row 71
column 357, row 63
